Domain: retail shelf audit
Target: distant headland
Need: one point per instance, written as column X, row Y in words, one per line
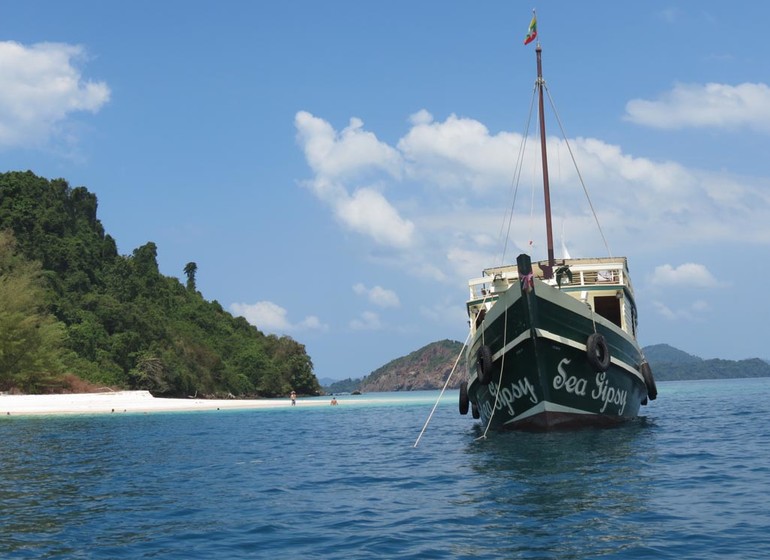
column 430, row 366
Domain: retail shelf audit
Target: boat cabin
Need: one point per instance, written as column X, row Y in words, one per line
column 603, row 284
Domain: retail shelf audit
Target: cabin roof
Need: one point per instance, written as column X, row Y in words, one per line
column 576, row 264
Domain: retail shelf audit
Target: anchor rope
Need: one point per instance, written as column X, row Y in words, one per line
column 500, row 378
column 435, row 406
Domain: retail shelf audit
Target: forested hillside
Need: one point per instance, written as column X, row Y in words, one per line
column 72, row 309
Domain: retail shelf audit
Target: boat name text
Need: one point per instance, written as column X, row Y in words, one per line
column 609, row 394
column 570, row 383
column 602, row 390
column 510, row 394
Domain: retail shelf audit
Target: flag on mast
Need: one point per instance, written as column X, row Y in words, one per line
column 532, row 33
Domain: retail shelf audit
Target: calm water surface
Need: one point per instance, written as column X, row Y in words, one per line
column 691, row 479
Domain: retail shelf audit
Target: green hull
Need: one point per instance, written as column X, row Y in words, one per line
column 540, row 376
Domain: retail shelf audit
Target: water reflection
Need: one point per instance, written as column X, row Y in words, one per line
column 573, row 494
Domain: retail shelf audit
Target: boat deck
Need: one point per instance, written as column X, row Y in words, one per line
column 602, row 283
column 601, row 272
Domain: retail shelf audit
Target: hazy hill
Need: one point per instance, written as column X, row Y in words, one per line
column 669, row 363
column 428, row 368
column 663, row 353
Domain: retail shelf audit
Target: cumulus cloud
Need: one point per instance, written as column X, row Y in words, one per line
column 369, row 321
column 350, row 152
column 434, row 202
column 378, row 295
column 705, row 105
column 458, row 152
column 689, row 275
column 469, row 262
column 272, row 318
column 367, row 211
column 693, row 312
column 340, row 162
column 41, row 88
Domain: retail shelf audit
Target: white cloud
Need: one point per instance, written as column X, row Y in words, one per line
column 421, row 117
column 378, row 295
column 469, row 262
column 41, row 88
column 705, row 105
column 689, row 275
column 339, row 155
column 664, row 310
column 340, row 161
column 458, row 152
column 367, row 211
column 369, row 321
column 272, row 318
column 687, row 313
column 448, row 235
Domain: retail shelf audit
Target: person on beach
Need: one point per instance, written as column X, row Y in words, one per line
column 334, row 401
column 293, row 398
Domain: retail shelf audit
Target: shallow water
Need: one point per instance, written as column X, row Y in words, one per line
column 690, row 479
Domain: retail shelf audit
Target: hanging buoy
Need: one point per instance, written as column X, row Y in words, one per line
column 475, row 411
column 649, row 380
column 484, row 364
column 597, row 352
column 464, row 402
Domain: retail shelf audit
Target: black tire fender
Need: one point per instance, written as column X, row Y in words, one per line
column 597, row 352
column 484, row 364
column 464, row 402
column 649, row 380
column 475, row 411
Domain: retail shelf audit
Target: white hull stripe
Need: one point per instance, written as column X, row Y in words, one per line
column 546, row 406
column 564, row 341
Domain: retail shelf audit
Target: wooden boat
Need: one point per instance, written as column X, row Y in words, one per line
column 552, row 344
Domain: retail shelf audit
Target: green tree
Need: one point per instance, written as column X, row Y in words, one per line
column 32, row 350
column 190, row 269
column 125, row 324
column 151, row 374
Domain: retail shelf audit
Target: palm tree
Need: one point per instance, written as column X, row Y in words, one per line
column 190, row 269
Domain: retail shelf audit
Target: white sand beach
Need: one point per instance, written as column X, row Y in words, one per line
column 131, row 401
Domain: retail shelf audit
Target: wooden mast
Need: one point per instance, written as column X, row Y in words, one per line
column 546, row 189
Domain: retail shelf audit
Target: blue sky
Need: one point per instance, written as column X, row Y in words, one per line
column 338, row 170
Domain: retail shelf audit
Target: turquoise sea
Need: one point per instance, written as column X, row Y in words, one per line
column 690, row 479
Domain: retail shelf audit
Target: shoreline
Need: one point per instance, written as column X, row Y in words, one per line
column 133, row 401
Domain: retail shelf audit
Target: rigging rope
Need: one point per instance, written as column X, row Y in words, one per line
column 530, row 233
column 519, row 168
column 577, row 169
column 517, row 177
